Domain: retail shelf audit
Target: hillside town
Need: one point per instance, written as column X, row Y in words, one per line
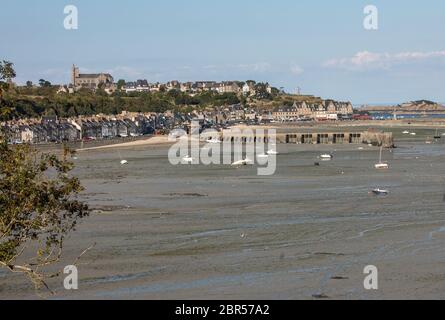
column 53, row 129
column 106, row 82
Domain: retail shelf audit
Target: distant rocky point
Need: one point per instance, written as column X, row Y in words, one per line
column 413, row 106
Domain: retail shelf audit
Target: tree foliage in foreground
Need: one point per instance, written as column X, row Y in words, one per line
column 38, row 205
column 38, row 208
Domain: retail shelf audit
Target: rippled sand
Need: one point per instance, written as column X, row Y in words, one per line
column 217, row 232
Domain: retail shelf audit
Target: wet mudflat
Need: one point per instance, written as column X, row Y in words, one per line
column 217, row 232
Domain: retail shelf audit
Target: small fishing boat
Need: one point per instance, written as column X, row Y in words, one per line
column 405, row 132
column 326, row 156
column 187, row 159
column 244, row 162
column 380, row 192
column 437, row 136
column 272, row 153
column 413, row 133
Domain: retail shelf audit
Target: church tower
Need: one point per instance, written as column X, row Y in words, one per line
column 74, row 75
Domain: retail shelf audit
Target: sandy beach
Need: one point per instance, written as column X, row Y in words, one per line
column 156, row 140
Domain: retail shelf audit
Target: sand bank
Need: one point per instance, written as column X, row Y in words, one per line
column 157, row 140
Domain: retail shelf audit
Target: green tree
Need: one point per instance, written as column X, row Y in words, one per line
column 39, row 206
column 38, row 209
column 44, row 84
column 120, row 84
column 7, row 73
column 261, row 91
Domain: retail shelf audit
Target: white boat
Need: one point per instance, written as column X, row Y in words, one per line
column 413, row 133
column 124, row 162
column 381, row 164
column 187, row 159
column 379, row 191
column 326, row 156
column 262, row 156
column 244, row 162
column 272, row 153
column 213, row 141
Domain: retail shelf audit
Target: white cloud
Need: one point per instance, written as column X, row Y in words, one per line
column 259, row 67
column 366, row 60
column 211, row 67
column 296, row 69
column 256, row 67
column 54, row 72
column 125, row 72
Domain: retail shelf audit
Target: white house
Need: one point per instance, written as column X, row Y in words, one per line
column 27, row 135
column 248, row 89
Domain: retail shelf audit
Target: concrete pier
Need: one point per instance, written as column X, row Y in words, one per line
column 375, row 138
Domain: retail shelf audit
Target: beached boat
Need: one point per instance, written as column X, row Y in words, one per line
column 326, row 156
column 380, row 192
column 187, row 159
column 244, row 162
column 213, row 141
column 381, row 164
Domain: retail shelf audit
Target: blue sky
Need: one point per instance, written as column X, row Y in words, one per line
column 320, row 46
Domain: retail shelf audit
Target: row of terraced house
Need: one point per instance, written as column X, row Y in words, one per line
column 53, row 130
column 328, row 110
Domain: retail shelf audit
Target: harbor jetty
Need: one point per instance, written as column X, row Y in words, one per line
column 384, row 139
